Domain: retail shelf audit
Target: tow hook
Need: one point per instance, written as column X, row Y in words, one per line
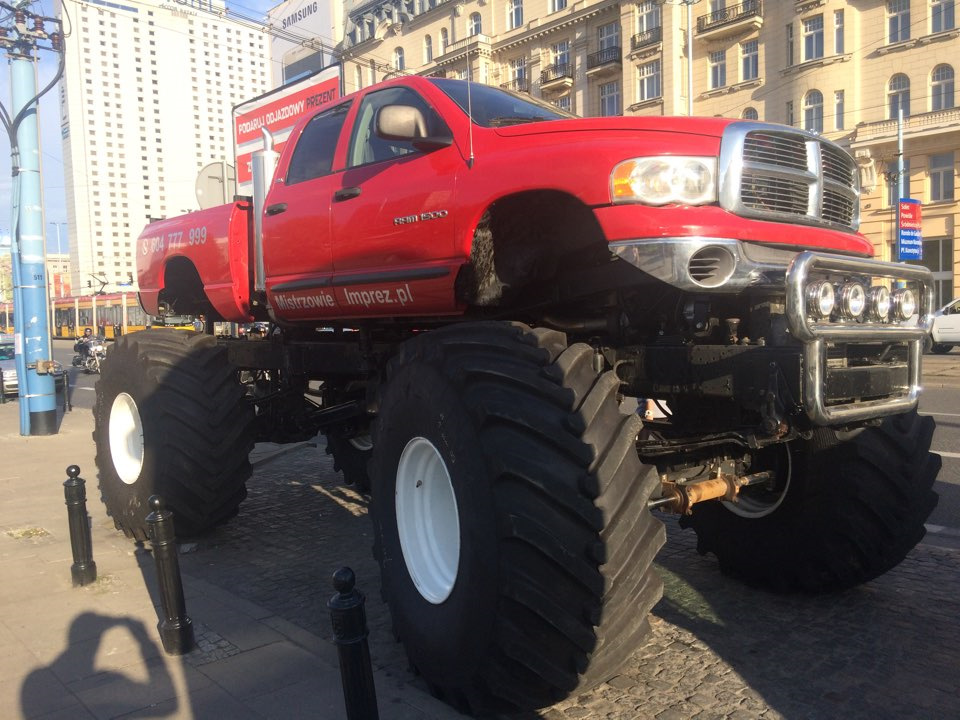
column 681, row 497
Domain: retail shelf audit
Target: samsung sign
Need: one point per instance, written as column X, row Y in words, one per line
column 304, row 12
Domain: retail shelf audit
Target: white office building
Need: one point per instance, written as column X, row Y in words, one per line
column 146, row 103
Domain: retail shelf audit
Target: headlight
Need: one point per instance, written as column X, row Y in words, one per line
column 820, row 299
column 665, row 180
column 904, row 304
column 879, row 303
column 853, row 300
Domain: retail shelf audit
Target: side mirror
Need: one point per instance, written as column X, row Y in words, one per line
column 405, row 122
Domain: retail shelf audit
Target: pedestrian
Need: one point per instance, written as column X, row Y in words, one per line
column 198, row 323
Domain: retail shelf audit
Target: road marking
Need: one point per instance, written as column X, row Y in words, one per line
column 942, row 414
column 81, row 387
column 946, row 454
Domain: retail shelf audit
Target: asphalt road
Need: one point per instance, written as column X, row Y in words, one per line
column 941, row 399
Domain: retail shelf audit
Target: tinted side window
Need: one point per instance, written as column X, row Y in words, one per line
column 313, row 155
column 366, row 147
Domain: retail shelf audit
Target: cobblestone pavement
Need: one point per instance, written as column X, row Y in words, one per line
column 889, row 649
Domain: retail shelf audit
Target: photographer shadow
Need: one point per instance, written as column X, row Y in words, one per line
column 109, row 691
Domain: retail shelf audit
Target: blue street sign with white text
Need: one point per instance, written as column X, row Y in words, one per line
column 909, row 237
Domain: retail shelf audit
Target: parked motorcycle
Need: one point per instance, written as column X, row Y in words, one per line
column 89, row 354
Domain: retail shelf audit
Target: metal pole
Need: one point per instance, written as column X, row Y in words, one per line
column 689, row 4
column 176, row 629
column 84, row 569
column 896, row 231
column 349, row 619
column 38, row 407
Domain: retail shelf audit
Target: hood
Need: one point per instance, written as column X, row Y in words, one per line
column 709, row 127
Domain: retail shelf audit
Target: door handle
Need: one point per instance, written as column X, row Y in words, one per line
column 346, row 194
column 276, row 209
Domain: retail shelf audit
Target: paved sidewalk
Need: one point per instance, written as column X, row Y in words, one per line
column 94, row 652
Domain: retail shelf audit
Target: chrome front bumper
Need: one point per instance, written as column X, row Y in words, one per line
column 815, row 335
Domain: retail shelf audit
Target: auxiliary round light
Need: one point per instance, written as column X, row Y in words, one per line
column 853, row 300
column 904, row 304
column 878, row 300
column 820, row 299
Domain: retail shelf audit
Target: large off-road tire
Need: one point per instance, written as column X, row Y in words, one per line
column 170, row 420
column 510, row 516
column 351, row 456
column 848, row 511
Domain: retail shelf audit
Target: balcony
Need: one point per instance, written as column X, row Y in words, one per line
column 608, row 61
column 646, row 38
column 517, row 85
column 733, row 20
column 475, row 44
column 558, row 76
column 914, row 126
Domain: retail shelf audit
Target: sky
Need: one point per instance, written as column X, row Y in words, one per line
column 50, row 144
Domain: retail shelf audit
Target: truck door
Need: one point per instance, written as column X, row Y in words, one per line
column 296, row 225
column 393, row 217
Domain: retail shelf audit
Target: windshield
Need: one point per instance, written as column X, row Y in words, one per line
column 6, row 352
column 495, row 107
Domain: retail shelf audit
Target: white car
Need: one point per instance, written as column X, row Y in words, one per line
column 945, row 330
column 8, row 366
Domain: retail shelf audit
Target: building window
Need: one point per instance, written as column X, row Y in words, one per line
column 838, row 32
column 557, row 5
column 518, row 73
column 893, row 191
column 750, row 60
column 789, row 45
column 514, row 14
column 898, row 20
column 610, row 99
column 444, row 40
column 398, row 59
column 898, row 95
column 941, row 177
column 428, row 49
column 838, row 110
column 813, row 111
column 475, row 24
column 750, row 113
column 564, row 103
column 649, row 15
column 718, row 69
column 941, row 88
column 561, row 53
column 941, row 15
column 609, row 36
column 813, row 38
column 650, row 81
column 790, row 119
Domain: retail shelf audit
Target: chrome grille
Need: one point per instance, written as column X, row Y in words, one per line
column 837, row 208
column 837, row 165
column 764, row 193
column 781, row 174
column 779, row 150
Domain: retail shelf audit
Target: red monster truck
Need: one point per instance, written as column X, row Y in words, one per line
column 466, row 287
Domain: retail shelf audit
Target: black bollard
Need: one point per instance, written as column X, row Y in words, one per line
column 349, row 618
column 176, row 629
column 84, row 569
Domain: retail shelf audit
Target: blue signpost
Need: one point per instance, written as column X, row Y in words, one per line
column 909, row 237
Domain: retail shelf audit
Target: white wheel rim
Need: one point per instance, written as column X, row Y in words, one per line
column 362, row 442
column 758, row 506
column 427, row 520
column 126, row 438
